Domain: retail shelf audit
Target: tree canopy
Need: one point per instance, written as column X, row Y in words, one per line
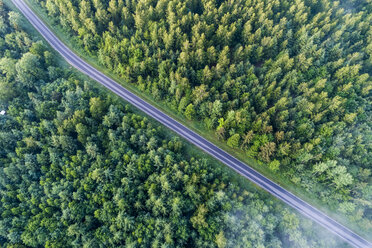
column 292, row 79
column 79, row 168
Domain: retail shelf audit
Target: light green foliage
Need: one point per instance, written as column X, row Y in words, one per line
column 97, row 107
column 233, row 141
column 274, row 165
column 190, row 111
column 28, row 70
column 221, row 240
column 14, row 19
column 337, row 174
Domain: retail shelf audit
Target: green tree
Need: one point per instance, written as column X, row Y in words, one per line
column 190, row 111
column 233, row 141
column 97, row 107
column 14, row 19
column 221, row 240
column 28, row 70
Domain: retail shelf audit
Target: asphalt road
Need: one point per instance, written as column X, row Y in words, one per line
column 240, row 167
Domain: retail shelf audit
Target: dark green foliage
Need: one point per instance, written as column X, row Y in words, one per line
column 292, row 75
column 79, row 169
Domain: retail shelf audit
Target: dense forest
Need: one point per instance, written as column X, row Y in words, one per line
column 80, row 168
column 287, row 83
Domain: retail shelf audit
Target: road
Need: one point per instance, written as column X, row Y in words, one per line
column 240, row 167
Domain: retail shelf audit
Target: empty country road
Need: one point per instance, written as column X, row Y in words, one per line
column 240, row 167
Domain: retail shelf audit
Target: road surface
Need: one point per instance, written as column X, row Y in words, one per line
column 240, row 167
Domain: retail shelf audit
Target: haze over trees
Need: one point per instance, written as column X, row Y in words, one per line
column 79, row 168
column 286, row 82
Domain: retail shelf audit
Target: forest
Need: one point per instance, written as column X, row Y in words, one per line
column 81, row 168
column 287, row 83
